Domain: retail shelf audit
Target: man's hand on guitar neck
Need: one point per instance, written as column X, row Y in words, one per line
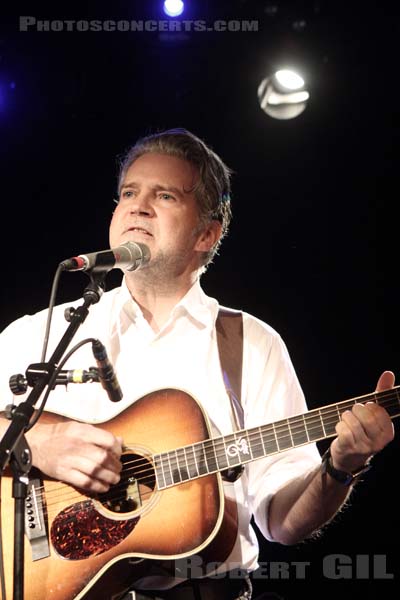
column 77, row 453
column 305, row 504
column 362, row 431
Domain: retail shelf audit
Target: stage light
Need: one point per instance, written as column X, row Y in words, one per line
column 289, row 79
column 173, row 8
column 283, row 95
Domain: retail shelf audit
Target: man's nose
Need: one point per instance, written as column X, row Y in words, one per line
column 142, row 204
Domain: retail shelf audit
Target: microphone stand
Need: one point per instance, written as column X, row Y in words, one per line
column 14, row 448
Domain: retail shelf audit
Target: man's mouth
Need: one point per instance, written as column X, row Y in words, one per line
column 140, row 230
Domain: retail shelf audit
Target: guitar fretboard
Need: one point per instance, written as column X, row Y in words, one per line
column 221, row 453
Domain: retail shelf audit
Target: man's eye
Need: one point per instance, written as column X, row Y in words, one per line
column 166, row 196
column 126, row 194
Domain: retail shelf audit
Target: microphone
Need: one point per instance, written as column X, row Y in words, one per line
column 106, row 373
column 128, row 257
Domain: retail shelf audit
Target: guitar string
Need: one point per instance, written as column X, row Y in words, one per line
column 77, row 510
column 208, row 446
column 269, row 429
column 254, row 433
column 286, row 425
column 212, row 450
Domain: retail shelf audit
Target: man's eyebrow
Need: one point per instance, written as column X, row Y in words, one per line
column 157, row 188
column 168, row 188
column 129, row 185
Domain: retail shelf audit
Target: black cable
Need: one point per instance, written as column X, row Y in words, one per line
column 53, row 294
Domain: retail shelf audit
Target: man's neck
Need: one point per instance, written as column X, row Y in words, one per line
column 157, row 299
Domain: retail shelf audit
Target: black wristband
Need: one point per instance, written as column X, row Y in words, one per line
column 341, row 476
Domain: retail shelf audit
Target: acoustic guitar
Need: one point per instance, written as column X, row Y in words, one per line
column 168, row 505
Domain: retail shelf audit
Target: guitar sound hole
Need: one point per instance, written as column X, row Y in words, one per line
column 135, row 487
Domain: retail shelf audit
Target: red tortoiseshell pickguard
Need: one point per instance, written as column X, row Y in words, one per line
column 80, row 531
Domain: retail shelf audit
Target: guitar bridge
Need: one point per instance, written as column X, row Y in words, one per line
column 35, row 523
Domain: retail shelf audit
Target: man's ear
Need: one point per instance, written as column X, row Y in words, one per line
column 209, row 236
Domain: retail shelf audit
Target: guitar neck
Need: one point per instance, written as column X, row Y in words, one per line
column 224, row 452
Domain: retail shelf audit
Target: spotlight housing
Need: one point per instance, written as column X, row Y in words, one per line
column 283, row 95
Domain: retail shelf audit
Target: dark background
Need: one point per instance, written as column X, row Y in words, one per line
column 312, row 247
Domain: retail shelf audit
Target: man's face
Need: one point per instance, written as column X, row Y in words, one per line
column 156, row 208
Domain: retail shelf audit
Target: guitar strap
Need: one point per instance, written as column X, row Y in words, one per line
column 229, row 326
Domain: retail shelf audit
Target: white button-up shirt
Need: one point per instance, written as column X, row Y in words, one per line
column 184, row 355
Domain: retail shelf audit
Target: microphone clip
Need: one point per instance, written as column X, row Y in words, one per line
column 19, row 383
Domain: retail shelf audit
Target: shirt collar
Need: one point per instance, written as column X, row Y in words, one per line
column 198, row 305
column 195, row 304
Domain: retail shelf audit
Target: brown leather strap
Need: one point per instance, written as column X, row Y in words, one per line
column 229, row 326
